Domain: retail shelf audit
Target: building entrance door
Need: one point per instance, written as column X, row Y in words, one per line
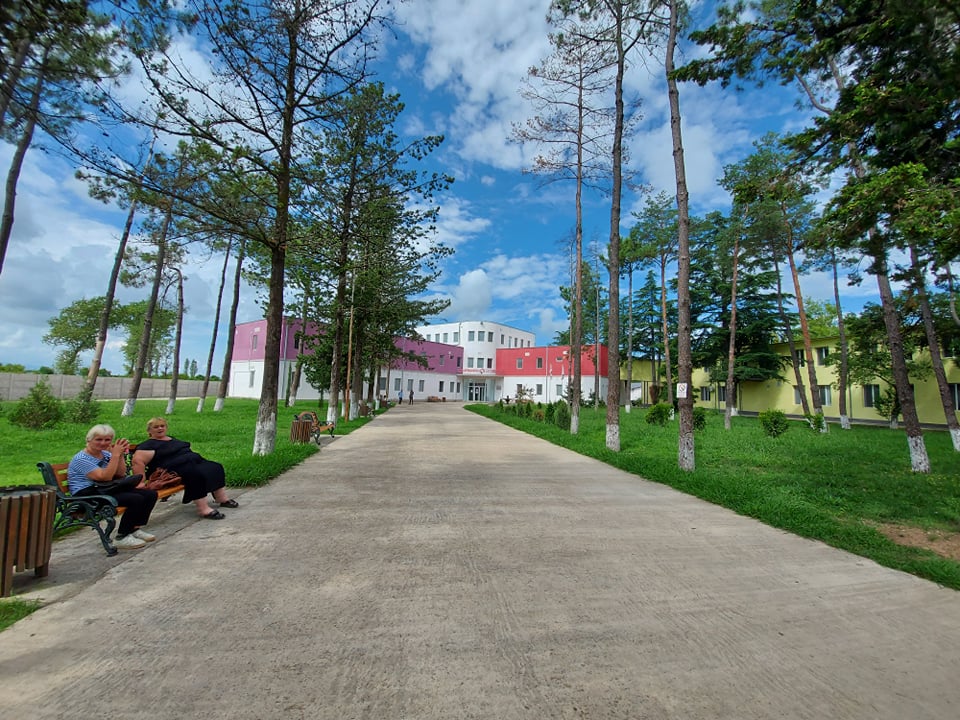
column 477, row 391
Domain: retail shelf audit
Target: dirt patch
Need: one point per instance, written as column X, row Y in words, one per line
column 942, row 542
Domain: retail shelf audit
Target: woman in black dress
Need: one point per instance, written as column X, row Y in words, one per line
column 200, row 476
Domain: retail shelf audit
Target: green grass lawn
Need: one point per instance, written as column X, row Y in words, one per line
column 835, row 487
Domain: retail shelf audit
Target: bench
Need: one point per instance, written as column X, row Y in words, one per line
column 301, row 432
column 97, row 511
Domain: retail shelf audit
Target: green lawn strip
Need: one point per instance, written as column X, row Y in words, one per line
column 225, row 436
column 13, row 609
column 830, row 487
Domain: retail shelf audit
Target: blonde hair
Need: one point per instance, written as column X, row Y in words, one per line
column 155, row 420
column 100, row 431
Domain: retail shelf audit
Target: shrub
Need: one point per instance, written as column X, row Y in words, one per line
column 699, row 418
column 539, row 415
column 816, row 422
column 561, row 415
column 39, row 409
column 82, row 409
column 550, row 410
column 773, row 422
column 659, row 414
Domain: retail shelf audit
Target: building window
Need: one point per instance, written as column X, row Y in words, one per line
column 445, row 336
column 441, row 386
column 721, row 393
column 705, row 393
column 479, row 361
column 539, row 388
column 490, row 336
column 456, row 338
column 540, row 363
column 470, row 336
column 519, row 363
column 822, row 354
column 559, row 390
column 501, row 338
column 253, row 375
column 458, row 387
column 871, row 395
column 458, row 360
column 420, row 385
column 797, row 394
column 955, row 394
column 826, row 397
column 253, row 341
column 798, row 358
column 489, row 363
column 469, row 362
column 442, row 358
column 519, row 389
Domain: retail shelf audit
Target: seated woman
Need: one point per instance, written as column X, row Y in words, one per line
column 200, row 476
column 100, row 462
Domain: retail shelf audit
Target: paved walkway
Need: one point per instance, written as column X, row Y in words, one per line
column 437, row 565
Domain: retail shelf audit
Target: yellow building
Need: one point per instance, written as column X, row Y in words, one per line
column 755, row 397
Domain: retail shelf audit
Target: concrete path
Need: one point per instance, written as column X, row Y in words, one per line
column 437, row 565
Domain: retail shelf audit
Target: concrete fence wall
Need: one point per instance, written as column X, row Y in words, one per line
column 14, row 386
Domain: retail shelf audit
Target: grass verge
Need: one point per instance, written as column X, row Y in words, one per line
column 12, row 609
column 834, row 487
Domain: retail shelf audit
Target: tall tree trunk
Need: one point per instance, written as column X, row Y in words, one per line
column 144, row 351
column 807, row 341
column 919, row 460
column 576, row 339
column 788, row 333
column 177, row 339
column 216, row 327
column 844, row 374
column 665, row 317
column 231, row 330
column 16, row 165
column 104, row 327
column 265, row 435
column 294, row 386
column 629, row 403
column 613, row 249
column 933, row 343
column 732, row 345
column 686, row 454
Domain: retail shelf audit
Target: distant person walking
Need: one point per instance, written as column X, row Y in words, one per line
column 399, row 397
column 411, row 396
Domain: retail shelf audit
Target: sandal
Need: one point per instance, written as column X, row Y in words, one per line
column 229, row 504
column 214, row 515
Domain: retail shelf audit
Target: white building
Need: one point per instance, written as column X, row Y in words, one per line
column 480, row 340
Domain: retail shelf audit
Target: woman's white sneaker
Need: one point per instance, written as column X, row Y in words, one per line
column 144, row 535
column 129, row 542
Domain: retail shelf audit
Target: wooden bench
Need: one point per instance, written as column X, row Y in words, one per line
column 97, row 511
column 300, row 432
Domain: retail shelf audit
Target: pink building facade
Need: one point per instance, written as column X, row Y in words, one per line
column 439, row 377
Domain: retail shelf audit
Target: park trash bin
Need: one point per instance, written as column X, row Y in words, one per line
column 26, row 531
column 301, row 431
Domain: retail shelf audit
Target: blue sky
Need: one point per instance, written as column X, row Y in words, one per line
column 458, row 65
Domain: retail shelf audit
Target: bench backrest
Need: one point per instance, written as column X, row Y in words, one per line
column 55, row 474
column 308, row 415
